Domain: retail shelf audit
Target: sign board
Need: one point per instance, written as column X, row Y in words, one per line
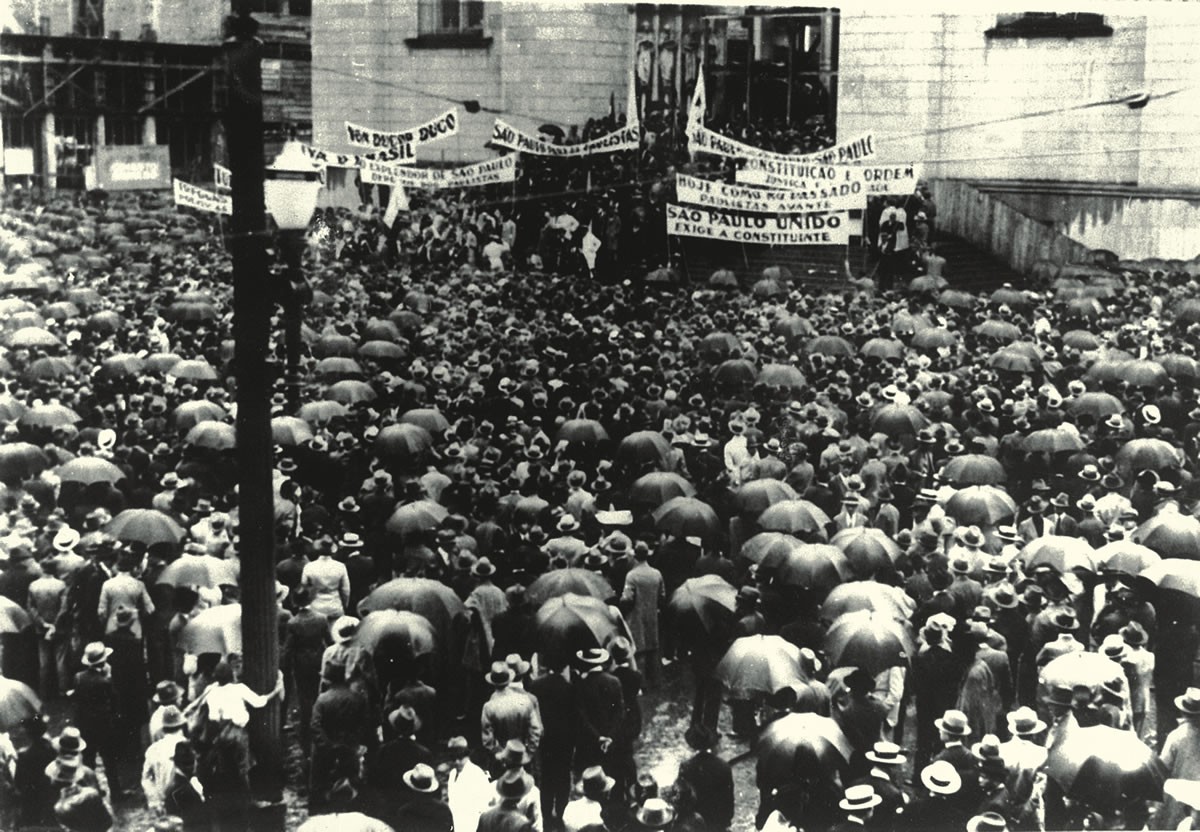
column 791, row 230
column 222, row 177
column 136, row 167
column 18, row 161
column 507, row 136
column 272, row 74
column 188, row 195
column 491, row 172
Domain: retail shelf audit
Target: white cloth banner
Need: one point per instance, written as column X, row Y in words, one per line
column 188, row 195
column 794, row 230
column 703, row 140
column 724, row 197
column 871, row 180
column 491, row 172
column 626, row 138
column 324, row 159
column 404, row 142
column 699, row 105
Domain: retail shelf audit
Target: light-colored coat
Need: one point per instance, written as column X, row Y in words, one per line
column 123, row 591
column 642, row 596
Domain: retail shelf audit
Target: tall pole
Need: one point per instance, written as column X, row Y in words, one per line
column 252, row 306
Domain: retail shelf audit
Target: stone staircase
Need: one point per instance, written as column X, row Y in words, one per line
column 973, row 269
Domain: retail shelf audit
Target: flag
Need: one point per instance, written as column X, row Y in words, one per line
column 397, row 202
column 699, row 105
column 631, row 105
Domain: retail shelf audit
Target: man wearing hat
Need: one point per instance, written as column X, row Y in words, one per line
column 589, row 808
column 47, row 597
column 1023, row 754
column 710, row 777
column 859, row 803
column 34, row 791
column 506, row 815
column 887, row 763
column 83, row 593
column 303, row 648
column 468, row 788
column 159, row 760
column 567, row 543
column 421, row 810
column 933, row 694
column 400, row 751
column 510, row 713
column 654, row 813
column 1181, row 753
column 600, row 708
column 360, row 568
column 341, row 724
column 1139, row 670
column 97, row 713
column 1035, row 524
column 642, row 598
column 1065, row 623
column 486, row 599
column 514, row 759
column 953, row 730
column 943, row 805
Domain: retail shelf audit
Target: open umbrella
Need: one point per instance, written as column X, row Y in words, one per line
column 381, row 351
column 350, row 391
column 1063, row 554
column 336, row 367
column 981, row 505
column 687, row 517
column 121, row 365
column 11, row 409
column 703, row 607
column 1012, row 361
column 189, row 414
column 582, row 430
column 998, row 330
column 1082, row 340
column 106, row 322
column 215, row 436
column 191, row 311
column 815, row 566
column 198, row 570
column 146, row 526
column 1125, row 557
column 885, row 349
column 61, row 310
column 32, row 336
column 793, row 326
column 870, row 641
column 898, row 420
column 643, row 447
column 928, row 283
column 398, row 634
column 723, row 279
column 759, row 665
column 13, row 618
column 1053, row 441
column 344, row 822
column 782, row 375
column 794, row 517
column 402, row 442
column 957, row 299
column 89, row 470
column 49, row 367
column 868, row 550
column 570, row 623
column 757, row 496
column 49, row 416
column 735, row 371
column 162, row 362
column 768, row 288
column 196, row 369
column 934, row 337
column 1090, row 670
column 20, row 461
column 429, row 418
column 832, row 346
column 1105, row 768
column 868, row 596
column 321, row 412
column 719, row 343
column 657, row 487
column 1148, row 454
column 1171, row 535
column 432, row 600
column 290, row 430
column 1097, row 405
column 797, row 748
column 974, row 469
column 381, row 330
column 563, row 581
column 1175, row 575
column 769, row 548
column 214, row 630
column 420, row 516
column 1180, row 366
column 334, row 345
column 18, row 703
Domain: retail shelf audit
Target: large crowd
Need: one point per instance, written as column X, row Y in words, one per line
column 929, row 556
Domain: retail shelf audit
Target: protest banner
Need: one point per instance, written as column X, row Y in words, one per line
column 792, row 230
column 703, row 140
column 323, row 158
column 724, row 197
column 624, row 138
column 493, row 171
column 872, row 180
column 222, row 177
column 132, row 167
column 404, row 142
column 188, row 195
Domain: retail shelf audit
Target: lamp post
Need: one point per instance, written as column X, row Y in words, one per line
column 290, row 191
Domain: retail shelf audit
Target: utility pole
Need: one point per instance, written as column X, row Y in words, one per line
column 252, row 307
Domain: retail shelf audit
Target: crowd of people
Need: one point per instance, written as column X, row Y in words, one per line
column 935, row 550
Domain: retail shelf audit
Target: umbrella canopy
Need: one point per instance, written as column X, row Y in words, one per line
column 192, row 311
column 1180, row 366
column 344, row 822
column 1088, row 669
column 974, row 469
column 1175, row 575
column 898, row 420
column 290, row 430
column 106, row 322
column 1171, row 535
column 868, row 550
column 336, row 367
column 570, row 623
column 687, row 517
column 735, row 371
column 122, row 364
column 381, row 351
column 981, row 505
column 381, row 330
column 33, row 336
column 582, row 430
column 868, row 596
column 1012, row 361
column 402, row 442
column 719, row 343
column 1148, row 454
column 657, row 487
column 830, row 345
column 885, row 349
column 49, row 367
column 13, row 618
column 89, row 470
column 998, row 330
column 797, row 748
column 768, row 288
column 321, row 412
column 161, row 363
column 194, row 370
column 1105, row 768
column 815, row 566
column 350, row 391
column 49, row 416
column 198, row 571
column 146, row 526
column 1097, row 405
column 782, row 375
column 757, row 496
column 769, row 548
column 214, row 630
column 11, row 409
column 432, row 600
column 1053, row 441
column 216, row 436
column 1063, row 554
column 1126, row 557
column 334, row 345
column 18, row 703
column 869, row 640
column 559, row 582
column 642, row 447
column 759, row 665
column 934, row 337
column 420, row 516
column 794, row 517
column 189, row 414
column 703, row 607
column 957, row 299
column 429, row 418
column 20, row 461
column 396, row 634
column 793, row 326
column 723, row 279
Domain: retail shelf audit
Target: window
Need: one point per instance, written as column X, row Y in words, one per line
column 456, row 23
column 1050, row 25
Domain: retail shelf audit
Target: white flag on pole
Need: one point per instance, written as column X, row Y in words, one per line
column 397, row 202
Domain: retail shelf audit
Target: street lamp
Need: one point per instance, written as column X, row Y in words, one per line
column 290, row 191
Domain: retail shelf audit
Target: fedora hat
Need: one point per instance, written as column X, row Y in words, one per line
column 1024, row 722
column 592, row 656
column 404, row 721
column 421, row 778
column 595, row 783
column 954, row 722
column 960, row 566
column 1134, row 636
column 860, row 798
column 1035, row 505
column 517, row 665
column 1061, row 500
column 70, row 742
column 513, row 754
column 1004, row 598
column 1112, row 481
column 941, row 777
column 567, row 523
column 970, row 537
column 96, row 654
column 886, row 754
column 655, row 813
column 172, row 718
column 458, row 747
column 350, row 540
column 501, row 675
column 344, row 629
column 1189, row 702
column 1065, row 620
column 1089, row 473
column 514, row 785
column 166, row 693
column 1114, row 647
column 988, row 822
column 483, row 568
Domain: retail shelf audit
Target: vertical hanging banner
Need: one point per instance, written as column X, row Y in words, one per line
column 404, row 143
column 188, row 195
column 793, row 230
column 222, row 177
column 397, row 202
column 699, row 104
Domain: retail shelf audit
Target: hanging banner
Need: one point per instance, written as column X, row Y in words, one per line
column 625, row 138
column 404, row 142
column 324, row 158
column 703, row 140
column 491, row 172
column 721, row 196
column 188, row 195
column 397, row 202
column 872, row 180
column 795, row 230
column 222, row 177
